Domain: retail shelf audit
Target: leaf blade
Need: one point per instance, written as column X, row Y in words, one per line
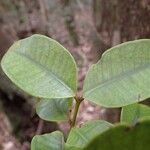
column 132, row 113
column 124, row 137
column 79, row 137
column 54, row 141
column 54, row 109
column 120, row 76
column 34, row 64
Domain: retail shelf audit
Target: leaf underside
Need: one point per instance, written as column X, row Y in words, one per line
column 132, row 113
column 80, row 137
column 121, row 77
column 52, row 141
column 54, row 109
column 41, row 67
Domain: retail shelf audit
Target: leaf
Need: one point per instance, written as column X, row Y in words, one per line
column 68, row 147
column 41, row 67
column 53, row 141
column 79, row 137
column 132, row 113
column 121, row 76
column 123, row 137
column 54, row 109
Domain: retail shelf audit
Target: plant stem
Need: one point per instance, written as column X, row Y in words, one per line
column 76, row 109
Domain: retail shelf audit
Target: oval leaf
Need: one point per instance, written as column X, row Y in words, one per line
column 41, row 67
column 53, row 141
column 121, row 76
column 80, row 137
column 123, row 137
column 132, row 113
column 54, row 109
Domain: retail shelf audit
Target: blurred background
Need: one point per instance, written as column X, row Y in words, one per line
column 86, row 28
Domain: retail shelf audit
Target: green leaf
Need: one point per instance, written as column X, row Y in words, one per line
column 121, row 76
column 54, row 109
column 132, row 113
column 41, row 67
column 123, row 137
column 53, row 141
column 80, row 137
column 68, row 147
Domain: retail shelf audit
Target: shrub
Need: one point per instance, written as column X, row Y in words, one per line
column 46, row 70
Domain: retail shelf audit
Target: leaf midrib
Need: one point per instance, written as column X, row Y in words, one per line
column 43, row 68
column 81, row 135
column 122, row 75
